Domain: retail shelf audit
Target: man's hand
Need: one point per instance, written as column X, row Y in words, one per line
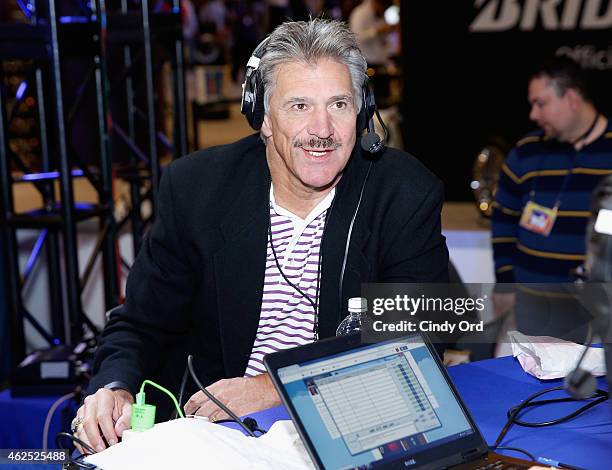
column 453, row 357
column 108, row 411
column 241, row 395
column 503, row 302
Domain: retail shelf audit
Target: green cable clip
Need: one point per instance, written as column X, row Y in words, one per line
column 143, row 415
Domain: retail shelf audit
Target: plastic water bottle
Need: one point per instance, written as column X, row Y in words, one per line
column 357, row 307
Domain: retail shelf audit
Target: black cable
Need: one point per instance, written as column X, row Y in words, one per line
column 252, row 424
column 516, row 410
column 580, row 383
column 348, row 238
column 181, row 391
column 516, row 449
column 346, row 249
column 212, row 398
column 512, row 413
column 601, row 397
column 300, row 291
column 74, row 439
column 83, row 444
column 584, row 136
column 249, row 422
column 315, row 303
column 382, row 124
column 587, row 345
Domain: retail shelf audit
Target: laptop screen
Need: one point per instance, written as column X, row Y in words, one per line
column 374, row 404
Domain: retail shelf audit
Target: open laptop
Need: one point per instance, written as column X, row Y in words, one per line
column 384, row 405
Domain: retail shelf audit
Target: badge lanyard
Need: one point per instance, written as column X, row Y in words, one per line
column 541, row 219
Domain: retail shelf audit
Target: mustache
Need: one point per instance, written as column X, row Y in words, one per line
column 316, row 142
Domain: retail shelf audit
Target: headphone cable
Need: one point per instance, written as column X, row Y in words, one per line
column 514, row 411
column 215, row 400
column 384, row 126
column 314, row 304
column 348, row 239
column 181, row 391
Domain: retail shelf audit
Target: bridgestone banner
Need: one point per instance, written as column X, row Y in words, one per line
column 466, row 65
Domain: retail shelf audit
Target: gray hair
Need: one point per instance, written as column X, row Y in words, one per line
column 307, row 42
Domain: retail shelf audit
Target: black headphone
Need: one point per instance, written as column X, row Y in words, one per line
column 252, row 103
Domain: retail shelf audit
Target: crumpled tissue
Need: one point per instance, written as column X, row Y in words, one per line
column 548, row 358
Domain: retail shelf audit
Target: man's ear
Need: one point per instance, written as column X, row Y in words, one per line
column 266, row 129
column 574, row 97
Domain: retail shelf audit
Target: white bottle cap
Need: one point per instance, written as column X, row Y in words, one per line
column 358, row 304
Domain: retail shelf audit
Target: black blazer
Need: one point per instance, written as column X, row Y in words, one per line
column 196, row 284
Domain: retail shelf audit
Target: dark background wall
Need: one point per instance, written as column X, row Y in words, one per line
column 466, row 65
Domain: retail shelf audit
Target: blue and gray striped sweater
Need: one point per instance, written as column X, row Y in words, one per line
column 542, row 164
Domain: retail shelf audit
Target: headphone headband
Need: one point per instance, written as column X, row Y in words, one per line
column 252, row 103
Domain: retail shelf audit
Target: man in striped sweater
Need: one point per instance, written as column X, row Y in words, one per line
column 544, row 196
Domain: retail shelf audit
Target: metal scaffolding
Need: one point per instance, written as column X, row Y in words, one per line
column 146, row 40
column 39, row 41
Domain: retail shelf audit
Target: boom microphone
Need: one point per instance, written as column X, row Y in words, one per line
column 371, row 141
column 597, row 293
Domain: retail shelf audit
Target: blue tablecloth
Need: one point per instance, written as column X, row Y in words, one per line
column 491, row 387
column 22, row 420
column 488, row 388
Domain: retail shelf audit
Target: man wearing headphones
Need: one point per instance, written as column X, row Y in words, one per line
column 257, row 245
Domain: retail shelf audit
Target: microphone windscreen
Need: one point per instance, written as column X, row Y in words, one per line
column 370, row 142
column 580, row 384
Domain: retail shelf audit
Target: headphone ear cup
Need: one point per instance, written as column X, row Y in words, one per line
column 246, row 105
column 368, row 107
column 252, row 105
column 258, row 107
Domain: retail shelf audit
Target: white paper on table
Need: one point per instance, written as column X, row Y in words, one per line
column 551, row 358
column 183, row 443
